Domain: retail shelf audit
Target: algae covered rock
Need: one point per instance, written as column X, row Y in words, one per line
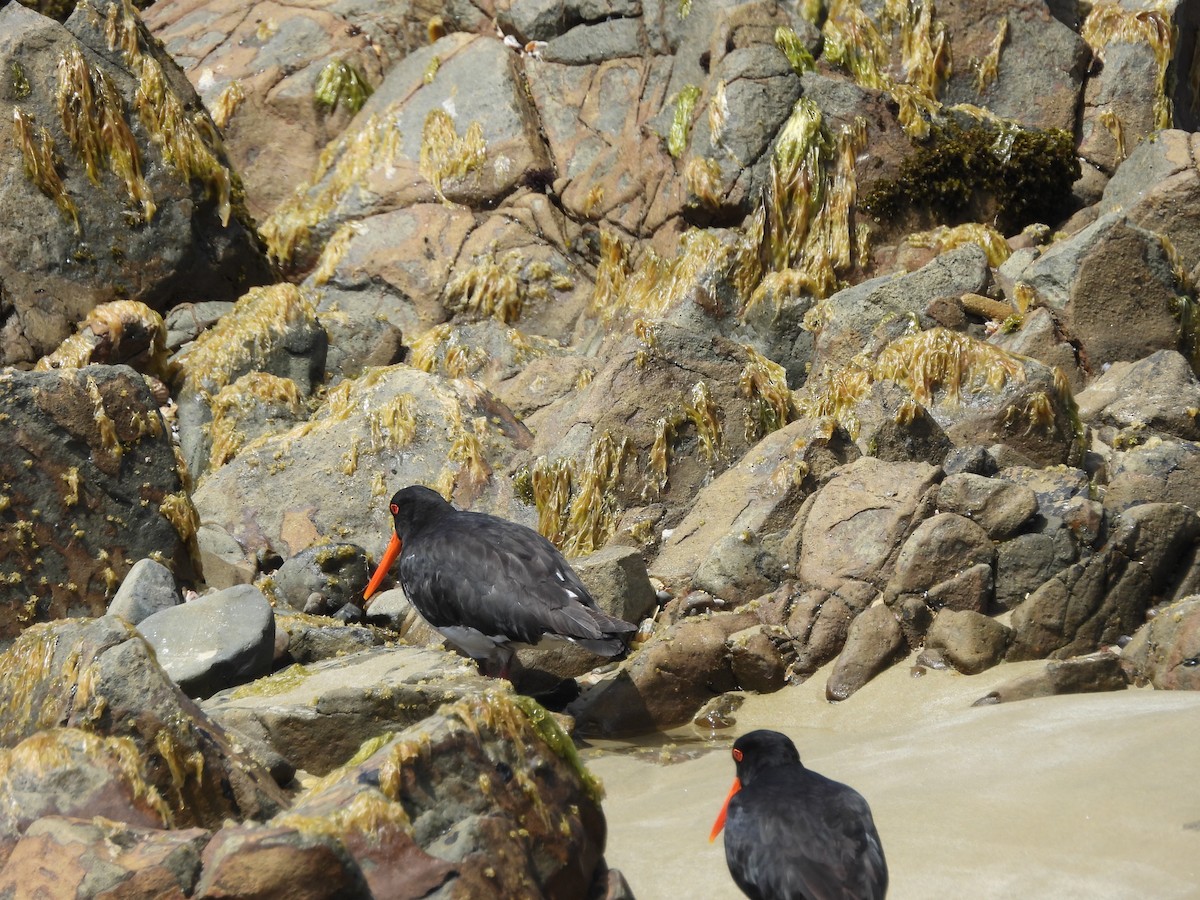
column 99, row 676
column 331, row 476
column 279, row 87
column 91, row 486
column 318, row 714
column 249, row 374
column 120, row 188
column 405, row 148
column 487, row 797
column 976, row 393
column 75, row 773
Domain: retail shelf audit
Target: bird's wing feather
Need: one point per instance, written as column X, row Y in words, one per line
column 825, row 836
column 504, row 580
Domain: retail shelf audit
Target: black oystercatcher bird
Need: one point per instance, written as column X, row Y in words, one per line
column 487, row 584
column 791, row 834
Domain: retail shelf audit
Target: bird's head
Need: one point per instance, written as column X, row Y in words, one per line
column 412, row 508
column 752, row 753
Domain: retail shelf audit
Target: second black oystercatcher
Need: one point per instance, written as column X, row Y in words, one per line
column 791, row 834
column 487, row 584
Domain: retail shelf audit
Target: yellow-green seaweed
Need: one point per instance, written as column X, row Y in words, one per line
column 341, row 84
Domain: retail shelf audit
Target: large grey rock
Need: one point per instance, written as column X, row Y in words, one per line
column 215, row 641
column 1041, row 67
column 1158, row 188
column 407, row 124
column 939, row 548
column 148, row 588
column 318, row 714
column 1131, row 94
column 1157, row 394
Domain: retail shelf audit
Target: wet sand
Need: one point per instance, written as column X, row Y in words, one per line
column 1094, row 795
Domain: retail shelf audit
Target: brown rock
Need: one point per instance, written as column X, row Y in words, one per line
column 971, row 589
column 757, row 496
column 969, row 641
column 64, row 857
column 257, row 861
column 1093, row 673
column 757, row 659
column 820, row 621
column 1165, row 652
column 1159, row 471
column 858, row 520
column 1000, row 507
column 873, row 644
column 940, row 548
column 1106, row 596
column 666, row 681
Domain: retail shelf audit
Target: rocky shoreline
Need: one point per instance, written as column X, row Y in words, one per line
column 825, row 338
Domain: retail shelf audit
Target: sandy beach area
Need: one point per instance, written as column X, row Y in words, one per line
column 1094, row 796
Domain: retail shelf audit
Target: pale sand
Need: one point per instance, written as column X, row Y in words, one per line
column 1094, row 795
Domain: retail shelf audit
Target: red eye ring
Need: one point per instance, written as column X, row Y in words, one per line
column 395, row 509
column 737, row 755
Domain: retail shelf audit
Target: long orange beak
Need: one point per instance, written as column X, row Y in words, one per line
column 720, row 823
column 385, row 563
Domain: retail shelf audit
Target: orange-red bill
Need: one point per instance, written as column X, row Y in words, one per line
column 720, row 823
column 385, row 563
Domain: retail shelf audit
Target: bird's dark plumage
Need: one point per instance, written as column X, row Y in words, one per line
column 792, row 834
column 485, row 582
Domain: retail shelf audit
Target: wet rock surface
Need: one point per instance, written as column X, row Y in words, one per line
column 723, row 321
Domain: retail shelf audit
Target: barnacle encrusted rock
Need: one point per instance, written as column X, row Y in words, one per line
column 90, row 485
